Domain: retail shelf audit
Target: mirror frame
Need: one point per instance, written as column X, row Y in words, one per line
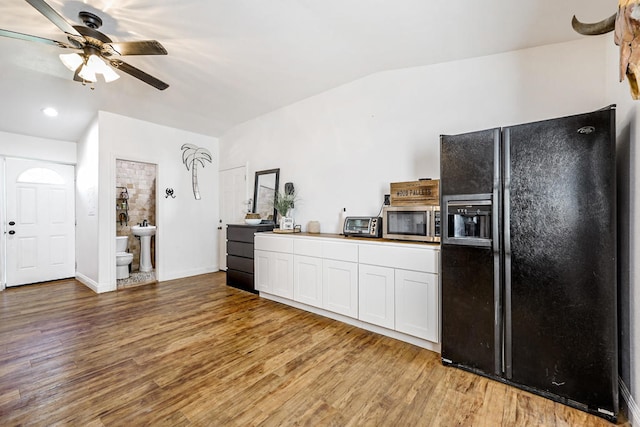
column 270, row 201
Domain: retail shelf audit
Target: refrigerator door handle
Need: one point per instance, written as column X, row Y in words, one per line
column 495, row 237
column 508, row 353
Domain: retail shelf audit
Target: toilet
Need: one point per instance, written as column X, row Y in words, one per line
column 123, row 258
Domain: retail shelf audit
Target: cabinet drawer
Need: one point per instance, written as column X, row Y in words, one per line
column 240, row 264
column 241, row 234
column 241, row 280
column 409, row 258
column 240, row 249
column 308, row 247
column 273, row 243
column 340, row 251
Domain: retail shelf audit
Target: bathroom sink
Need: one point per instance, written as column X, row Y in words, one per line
column 139, row 230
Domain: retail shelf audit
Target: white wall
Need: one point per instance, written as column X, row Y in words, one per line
column 87, row 219
column 187, row 235
column 628, row 159
column 29, row 147
column 343, row 147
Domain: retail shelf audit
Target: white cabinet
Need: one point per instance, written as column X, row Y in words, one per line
column 376, row 295
column 274, row 273
column 262, row 267
column 412, row 289
column 273, row 265
column 283, row 275
column 340, row 287
column 326, row 275
column 416, row 304
column 307, row 282
column 388, row 287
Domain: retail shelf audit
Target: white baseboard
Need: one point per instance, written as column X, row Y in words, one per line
column 172, row 275
column 634, row 410
column 435, row 347
column 88, row 282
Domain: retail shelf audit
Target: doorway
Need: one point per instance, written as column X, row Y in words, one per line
column 39, row 221
column 135, row 204
column 233, row 205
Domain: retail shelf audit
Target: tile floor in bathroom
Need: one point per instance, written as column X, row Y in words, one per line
column 136, row 278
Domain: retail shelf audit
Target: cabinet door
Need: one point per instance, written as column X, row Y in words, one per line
column 376, row 295
column 274, row 273
column 340, row 287
column 307, row 284
column 282, row 281
column 417, row 304
column 262, row 271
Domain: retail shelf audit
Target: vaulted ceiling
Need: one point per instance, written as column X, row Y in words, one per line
column 232, row 60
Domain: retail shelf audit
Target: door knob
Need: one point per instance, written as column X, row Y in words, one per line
column 12, row 231
column 12, row 223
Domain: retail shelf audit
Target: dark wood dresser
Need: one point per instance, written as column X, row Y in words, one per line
column 240, row 254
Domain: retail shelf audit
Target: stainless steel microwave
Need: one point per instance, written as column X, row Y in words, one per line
column 415, row 223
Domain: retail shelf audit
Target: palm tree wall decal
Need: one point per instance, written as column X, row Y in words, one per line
column 191, row 157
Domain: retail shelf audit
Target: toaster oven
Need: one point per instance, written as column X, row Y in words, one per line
column 363, row 226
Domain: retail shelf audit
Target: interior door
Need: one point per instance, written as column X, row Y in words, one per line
column 40, row 223
column 233, row 205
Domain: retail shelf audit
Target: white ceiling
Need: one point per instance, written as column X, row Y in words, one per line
column 232, row 60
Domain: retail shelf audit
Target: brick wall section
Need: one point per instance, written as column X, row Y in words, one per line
column 140, row 181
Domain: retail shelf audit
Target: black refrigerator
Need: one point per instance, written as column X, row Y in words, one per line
column 528, row 257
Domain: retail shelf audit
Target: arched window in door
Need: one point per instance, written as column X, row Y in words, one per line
column 40, row 176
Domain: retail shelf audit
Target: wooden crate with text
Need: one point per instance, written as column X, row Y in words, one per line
column 415, row 193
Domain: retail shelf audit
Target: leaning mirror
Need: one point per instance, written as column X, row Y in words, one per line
column 264, row 193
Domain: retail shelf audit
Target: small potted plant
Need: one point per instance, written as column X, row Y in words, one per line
column 283, row 203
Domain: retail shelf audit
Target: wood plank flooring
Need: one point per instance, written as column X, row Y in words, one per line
column 196, row 352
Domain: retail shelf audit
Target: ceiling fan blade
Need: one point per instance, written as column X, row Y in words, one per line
column 27, row 37
column 143, row 47
column 137, row 73
column 53, row 16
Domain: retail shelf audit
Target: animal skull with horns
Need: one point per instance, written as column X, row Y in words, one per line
column 626, row 24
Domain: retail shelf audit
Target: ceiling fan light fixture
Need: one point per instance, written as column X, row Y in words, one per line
column 71, row 60
column 109, row 75
column 95, row 65
column 89, row 66
column 87, row 74
column 100, row 67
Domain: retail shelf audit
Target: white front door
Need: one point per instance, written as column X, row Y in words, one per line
column 40, row 226
column 233, row 205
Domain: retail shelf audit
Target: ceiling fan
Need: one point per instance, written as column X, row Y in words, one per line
column 98, row 50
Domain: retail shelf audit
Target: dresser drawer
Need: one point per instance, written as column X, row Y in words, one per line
column 241, row 234
column 240, row 280
column 240, row 264
column 240, row 249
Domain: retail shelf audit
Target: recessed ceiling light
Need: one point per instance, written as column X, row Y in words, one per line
column 50, row 111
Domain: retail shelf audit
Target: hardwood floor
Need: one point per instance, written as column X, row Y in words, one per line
column 196, row 352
